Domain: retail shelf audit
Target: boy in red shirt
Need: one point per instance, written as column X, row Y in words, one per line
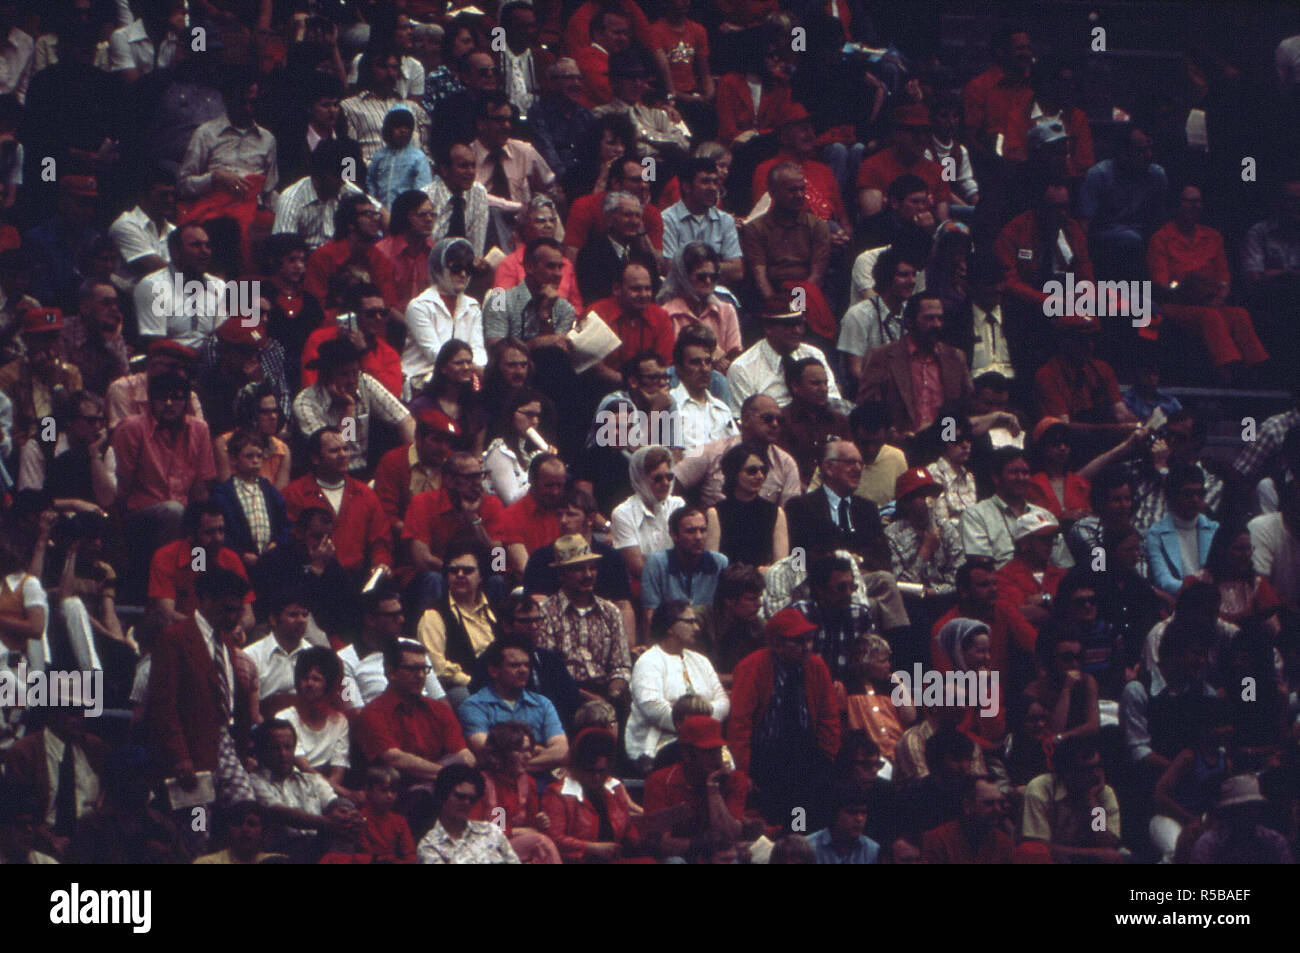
column 385, row 835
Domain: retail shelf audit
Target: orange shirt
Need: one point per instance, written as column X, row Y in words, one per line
column 1172, row 256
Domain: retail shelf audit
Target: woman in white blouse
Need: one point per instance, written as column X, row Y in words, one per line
column 322, row 729
column 506, row 459
column 639, row 525
column 664, row 673
column 443, row 311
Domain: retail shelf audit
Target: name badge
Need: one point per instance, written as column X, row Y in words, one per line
column 1025, row 254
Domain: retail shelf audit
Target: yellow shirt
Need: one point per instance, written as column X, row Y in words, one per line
column 432, row 631
column 878, row 477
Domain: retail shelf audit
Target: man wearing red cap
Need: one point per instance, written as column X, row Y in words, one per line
column 710, row 796
column 130, row 395
column 922, row 551
column 906, row 154
column 34, row 383
column 785, row 721
column 241, row 352
column 407, row 471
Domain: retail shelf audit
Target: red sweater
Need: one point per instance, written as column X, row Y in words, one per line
column 751, row 690
column 361, row 536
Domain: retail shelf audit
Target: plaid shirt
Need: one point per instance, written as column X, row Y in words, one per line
column 593, row 643
column 1256, row 455
column 958, row 491
column 253, row 503
column 837, row 631
column 939, row 572
column 786, row 582
column 1149, row 492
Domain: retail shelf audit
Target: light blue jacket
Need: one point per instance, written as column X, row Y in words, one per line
column 1165, row 556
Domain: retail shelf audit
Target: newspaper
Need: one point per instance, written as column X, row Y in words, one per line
column 593, row 341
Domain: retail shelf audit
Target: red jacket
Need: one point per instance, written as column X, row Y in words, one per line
column 1040, row 493
column 735, row 107
column 1019, row 238
column 575, row 824
column 332, row 256
column 1017, row 585
column 593, row 64
column 751, row 689
column 361, row 533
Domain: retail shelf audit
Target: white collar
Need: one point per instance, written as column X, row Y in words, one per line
column 573, row 789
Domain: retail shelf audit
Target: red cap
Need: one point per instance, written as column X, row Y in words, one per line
column 173, row 349
column 83, row 185
column 700, row 731
column 910, row 481
column 235, row 332
column 437, row 421
column 42, row 321
column 912, row 114
column 789, row 623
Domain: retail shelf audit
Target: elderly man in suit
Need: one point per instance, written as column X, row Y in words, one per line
column 916, row 374
column 1178, row 545
column 193, row 697
column 834, row 515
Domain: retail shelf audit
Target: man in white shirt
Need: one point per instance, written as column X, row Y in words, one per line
column 758, row 370
column 16, row 53
column 148, row 43
column 1276, row 538
column 201, row 307
column 986, row 526
column 703, row 418
column 760, row 425
column 140, row 234
column 276, row 653
column 363, row 661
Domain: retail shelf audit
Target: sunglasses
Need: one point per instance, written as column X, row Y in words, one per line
column 662, row 478
column 458, row 269
column 754, row 470
column 461, row 570
column 709, row 276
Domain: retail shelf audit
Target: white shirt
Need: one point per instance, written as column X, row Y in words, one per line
column 135, row 236
column 658, row 680
column 129, row 47
column 504, row 474
column 758, row 371
column 410, row 81
column 86, row 782
column 302, row 211
column 274, row 665
column 192, row 319
column 364, row 679
column 864, row 284
column 633, row 524
column 701, row 421
column 430, row 325
column 990, row 352
column 33, row 594
column 31, row 463
column 329, row 746
column 986, row 531
column 1277, row 555
column 869, row 324
column 16, row 63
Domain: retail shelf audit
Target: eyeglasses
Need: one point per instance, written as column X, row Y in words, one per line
column 422, row 669
column 461, row 570
column 754, row 469
column 709, row 276
column 487, row 71
column 654, row 378
column 662, row 478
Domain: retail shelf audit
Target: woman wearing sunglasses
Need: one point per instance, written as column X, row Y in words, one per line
column 442, row 312
column 639, row 525
column 689, row 296
column 743, row 526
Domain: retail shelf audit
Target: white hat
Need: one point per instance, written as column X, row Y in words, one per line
column 1033, row 523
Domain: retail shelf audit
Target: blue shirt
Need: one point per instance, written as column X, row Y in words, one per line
column 486, row 708
column 716, row 229
column 1143, row 408
column 394, row 171
column 664, row 579
column 867, row 851
column 1108, row 199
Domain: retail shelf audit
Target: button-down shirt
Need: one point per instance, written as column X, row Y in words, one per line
column 153, row 467
column 136, row 236
column 959, row 491
column 514, row 313
column 190, row 320
column 526, row 172
column 365, row 114
column 865, row 851
column 715, row 228
column 274, row 665
column 658, row 680
column 253, row 504
column 702, row 467
column 430, row 325
column 986, row 531
column 1051, row 815
column 217, row 144
column 1256, row 455
column 592, row 642
column 1112, row 198
column 298, row 790
column 870, row 324
column 486, row 708
column 717, row 315
column 927, row 389
column 665, row 579
column 702, row 421
column 364, row 679
column 633, row 523
column 481, row 843
column 129, row 47
column 789, row 251
column 302, row 211
column 758, row 371
column 410, row 261
column 476, row 213
column 478, row 624
column 420, row 726
column 314, row 408
column 130, row 395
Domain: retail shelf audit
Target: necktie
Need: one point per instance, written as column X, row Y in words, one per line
column 219, row 660
column 498, row 184
column 844, row 516
column 65, row 799
column 456, row 227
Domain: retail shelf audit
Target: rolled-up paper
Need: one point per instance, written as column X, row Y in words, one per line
column 538, row 440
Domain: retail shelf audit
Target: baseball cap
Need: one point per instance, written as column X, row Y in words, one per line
column 42, row 321
column 914, row 480
column 700, row 731
column 1034, row 523
column 789, row 623
column 235, row 332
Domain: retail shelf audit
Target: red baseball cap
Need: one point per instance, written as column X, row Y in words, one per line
column 700, row 731
column 235, row 332
column 173, row 349
column 913, row 480
column 789, row 623
column 42, row 321
column 437, row 421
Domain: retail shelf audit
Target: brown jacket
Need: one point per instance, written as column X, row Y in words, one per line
column 888, row 377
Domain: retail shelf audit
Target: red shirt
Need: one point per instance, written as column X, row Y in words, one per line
column 946, row 844
column 171, row 573
column 1172, row 256
column 575, row 823
column 518, row 796
column 331, row 256
column 593, row 64
column 653, row 333
column 1066, row 391
column 668, row 788
column 880, row 171
column 523, row 523
column 992, row 104
column 735, row 107
column 387, row 837
column 1017, row 249
column 410, row 265
column 1017, row 585
column 152, row 469
column 431, row 519
column 1006, row 625
column 684, row 46
column 361, row 537
column 393, row 478
column 1040, row 493
column 577, row 31
column 823, row 192
column 424, row 727
column 584, row 220
column 927, row 387
column 381, row 362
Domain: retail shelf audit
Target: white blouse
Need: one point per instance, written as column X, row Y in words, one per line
column 658, row 680
column 329, row 746
column 633, row 524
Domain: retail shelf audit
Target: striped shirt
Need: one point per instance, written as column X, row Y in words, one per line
column 476, row 213
column 302, row 211
column 313, row 409
column 365, row 114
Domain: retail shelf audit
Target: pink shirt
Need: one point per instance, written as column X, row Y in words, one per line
column 720, row 318
column 510, row 273
column 410, row 267
column 153, row 470
column 926, row 386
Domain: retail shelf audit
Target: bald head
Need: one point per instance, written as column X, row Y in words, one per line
column 760, row 420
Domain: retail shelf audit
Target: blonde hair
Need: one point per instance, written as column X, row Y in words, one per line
column 689, row 705
column 597, row 712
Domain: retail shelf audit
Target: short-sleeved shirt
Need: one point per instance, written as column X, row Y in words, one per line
column 172, row 575
column 1050, row 817
column 880, row 171
column 523, row 523
column 665, row 579
column 652, row 332
column 151, row 471
column 714, row 227
column 423, row 727
column 789, row 251
column 486, row 708
column 684, row 46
